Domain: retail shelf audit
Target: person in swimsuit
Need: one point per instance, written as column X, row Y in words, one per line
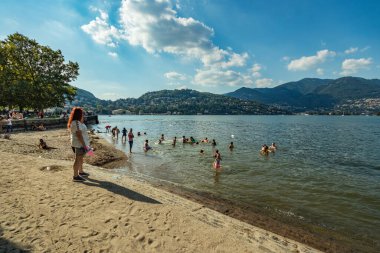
column 218, row 158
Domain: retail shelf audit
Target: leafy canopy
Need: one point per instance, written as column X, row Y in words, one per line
column 34, row 76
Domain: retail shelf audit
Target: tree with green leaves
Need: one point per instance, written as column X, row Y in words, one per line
column 34, row 76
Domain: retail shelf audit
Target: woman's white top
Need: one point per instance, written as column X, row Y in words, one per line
column 78, row 126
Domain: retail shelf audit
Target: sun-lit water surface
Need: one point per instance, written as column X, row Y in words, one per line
column 326, row 169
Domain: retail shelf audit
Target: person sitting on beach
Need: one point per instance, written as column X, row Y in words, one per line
column 174, row 141
column 42, row 144
column 264, row 150
column 162, row 137
column 213, row 143
column 218, row 158
column 146, row 146
column 231, row 146
column 205, row 140
column 41, row 127
column 273, row 147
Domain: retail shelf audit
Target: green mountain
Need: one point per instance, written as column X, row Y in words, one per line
column 176, row 102
column 351, row 88
column 343, row 95
column 316, row 94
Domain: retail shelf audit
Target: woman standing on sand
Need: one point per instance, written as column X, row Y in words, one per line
column 79, row 142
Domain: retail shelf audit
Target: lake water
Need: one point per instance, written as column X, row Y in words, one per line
column 326, row 169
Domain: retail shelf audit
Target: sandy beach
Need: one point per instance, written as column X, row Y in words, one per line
column 42, row 210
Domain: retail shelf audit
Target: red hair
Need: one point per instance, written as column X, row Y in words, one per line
column 76, row 114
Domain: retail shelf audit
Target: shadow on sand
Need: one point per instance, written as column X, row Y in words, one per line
column 117, row 189
column 8, row 246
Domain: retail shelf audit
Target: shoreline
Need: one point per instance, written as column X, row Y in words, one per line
column 314, row 235
column 109, row 157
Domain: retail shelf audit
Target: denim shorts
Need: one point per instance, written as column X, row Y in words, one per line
column 78, row 151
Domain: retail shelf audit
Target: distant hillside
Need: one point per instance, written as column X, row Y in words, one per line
column 304, row 86
column 87, row 100
column 351, row 88
column 314, row 94
column 177, row 102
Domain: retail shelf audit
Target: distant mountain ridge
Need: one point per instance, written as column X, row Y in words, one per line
column 312, row 93
column 342, row 96
column 184, row 101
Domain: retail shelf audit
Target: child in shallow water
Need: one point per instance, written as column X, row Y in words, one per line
column 218, row 158
column 146, row 146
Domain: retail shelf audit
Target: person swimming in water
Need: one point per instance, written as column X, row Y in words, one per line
column 192, row 140
column 231, row 146
column 264, row 150
column 146, row 146
column 218, row 158
column 213, row 143
column 205, row 140
column 162, row 137
column 202, row 152
column 273, row 147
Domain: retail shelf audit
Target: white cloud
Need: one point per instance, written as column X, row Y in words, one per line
column 217, row 77
column 155, row 26
column 109, row 96
column 285, row 58
column 256, row 68
column 365, row 49
column 113, row 54
column 308, row 62
column 101, row 32
column 175, row 76
column 264, row 83
column 351, row 50
column 320, row 71
column 352, row 66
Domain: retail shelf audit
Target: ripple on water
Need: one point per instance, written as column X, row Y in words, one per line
column 326, row 169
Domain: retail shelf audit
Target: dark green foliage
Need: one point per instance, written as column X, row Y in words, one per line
column 34, row 76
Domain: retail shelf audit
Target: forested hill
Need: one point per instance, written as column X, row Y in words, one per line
column 177, row 102
column 318, row 94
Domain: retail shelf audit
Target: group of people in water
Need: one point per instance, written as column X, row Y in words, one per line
column 265, row 150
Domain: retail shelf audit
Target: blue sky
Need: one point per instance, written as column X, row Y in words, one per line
column 128, row 47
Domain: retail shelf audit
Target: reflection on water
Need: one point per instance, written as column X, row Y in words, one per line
column 326, row 169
